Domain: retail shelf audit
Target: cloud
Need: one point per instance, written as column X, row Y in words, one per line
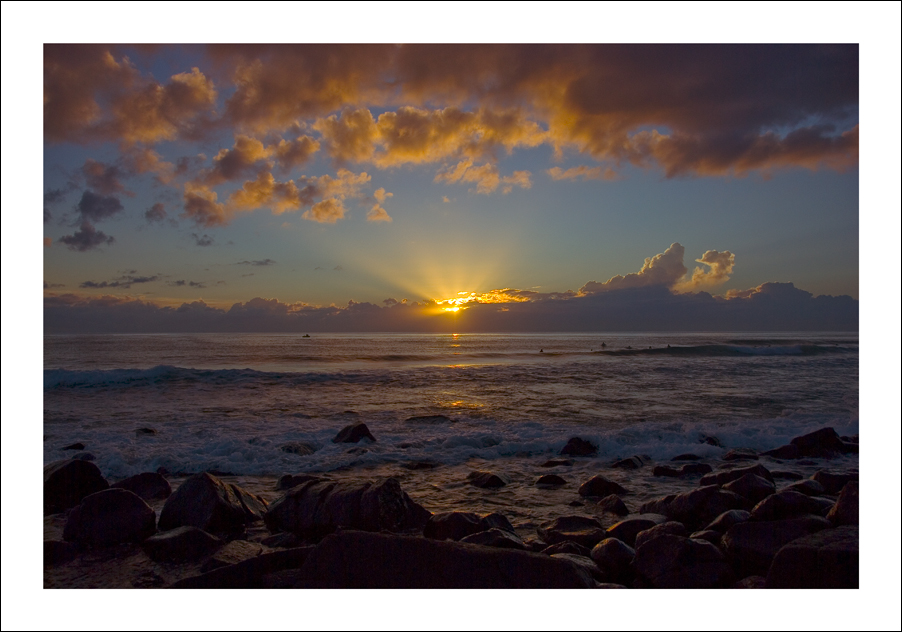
column 327, row 211
column 105, row 179
column 231, row 164
column 49, row 286
column 201, row 206
column 93, row 207
column 295, row 153
column 665, row 269
column 144, row 160
column 124, row 282
column 446, row 199
column 47, row 242
column 202, row 240
column 265, row 191
column 263, row 262
column 183, row 283
column 86, row 238
column 720, row 267
column 156, row 213
column 485, row 176
column 584, row 173
column 377, row 213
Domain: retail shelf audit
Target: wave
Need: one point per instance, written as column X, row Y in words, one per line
column 735, row 350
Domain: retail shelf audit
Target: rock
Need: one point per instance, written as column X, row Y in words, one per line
column 576, row 503
column 84, row 456
column 145, row 432
column 353, row 433
column 456, row 525
column 807, row 486
column 253, row 572
column 579, row 447
column 298, row 447
column 827, row 559
column 784, row 452
column 752, row 545
column 420, row 465
column 710, row 441
column 356, row 450
column 722, row 478
column 57, row 552
column 833, row 482
column 67, row 482
column 550, row 480
column 740, row 454
column 786, row 475
column 109, row 517
column 579, row 529
column 497, row 538
column 697, row 508
column 74, row 446
column 615, row 559
column 820, row 443
column 849, row 447
column 600, row 486
column 566, row 547
column 695, row 468
column 206, row 502
column 497, row 521
column 613, row 504
column 580, row 561
column 631, row 463
column 181, row 544
column 686, row 457
column 845, row 511
column 232, row 553
column 373, row 560
column 147, row 485
column 752, row 581
column 671, row 561
column 429, row 419
column 714, row 537
column 671, row 527
column 627, row 530
column 287, row 481
column 727, row 519
column 322, row 506
column 752, row 487
column 282, row 541
column 556, row 462
column 666, row 470
column 786, row 504
column 487, row 480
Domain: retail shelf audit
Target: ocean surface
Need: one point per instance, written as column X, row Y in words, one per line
column 237, row 403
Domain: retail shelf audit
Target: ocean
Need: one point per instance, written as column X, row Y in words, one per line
column 442, row 406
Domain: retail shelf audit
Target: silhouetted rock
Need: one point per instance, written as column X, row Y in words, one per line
column 845, row 511
column 807, row 486
column 714, row 537
column 686, row 457
column 671, row 527
column 600, row 486
column 740, row 454
column 826, row 559
column 282, row 540
column 613, row 504
column 67, row 482
column 206, row 502
column 727, row 476
column 84, row 456
column 626, row 530
column 57, row 552
column 147, row 485
column 579, row 447
column 300, row 448
column 109, row 517
column 671, row 561
column 786, row 504
column 579, row 529
column 752, row 581
column 420, row 465
column 695, row 468
column 566, row 547
column 631, row 463
column 784, row 452
column 456, row 525
column 497, row 538
column 556, row 462
column 429, row 419
column 820, row 443
column 727, row 519
column 752, row 487
column 487, row 480
column 666, row 470
column 181, row 544
column 496, row 520
column 146, row 432
column 696, row 508
column 287, row 481
column 353, row 433
column 615, row 558
column 232, row 553
column 582, row 562
column 752, row 546
column 74, row 446
column 710, row 441
column 550, row 480
column 321, row 506
column 833, row 482
column 253, row 572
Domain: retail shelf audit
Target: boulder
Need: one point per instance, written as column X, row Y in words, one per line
column 287, row 481
column 786, row 475
column 232, row 553
column 487, row 480
column 807, row 486
column 786, row 504
column 74, row 446
column 579, row 529
column 752, row 545
column 181, row 544
column 671, row 561
column 722, row 478
column 322, row 506
column 206, row 502
column 615, row 559
column 456, row 525
column 696, row 508
column 820, row 443
column 256, row 572
column 420, row 465
column 631, row 463
column 752, row 487
column 666, row 470
column 845, row 511
column 714, row 537
column 727, row 519
column 833, row 482
column 566, row 547
column 84, row 456
column 579, row 447
column 740, row 454
column 300, row 448
column 686, row 457
column 67, row 482
column 145, row 432
column 109, row 517
column 613, row 504
column 788, row 452
column 353, row 433
column 826, row 559
column 671, row 527
column 556, row 463
column 57, row 552
column 695, row 468
column 550, row 480
column 600, row 486
column 752, row 581
column 147, row 485
column 581, row 562
column 496, row 537
column 627, row 530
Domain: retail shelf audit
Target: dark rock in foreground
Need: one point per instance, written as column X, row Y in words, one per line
column 820, row 443
column 496, row 537
column 627, row 530
column 109, row 517
column 740, row 454
column 786, row 504
column 566, row 547
column 671, row 561
column 670, row 527
column 206, row 502
column 456, row 525
column 579, row 447
column 322, row 506
column 753, row 545
column 74, row 446
column 833, row 482
column 556, row 462
column 147, row 485
column 784, row 452
column 615, row 559
column 353, row 433
column 180, row 545
column 301, row 448
column 727, row 519
column 631, row 463
column 487, row 480
column 257, row 572
column 697, row 508
column 600, row 486
column 67, row 482
column 550, row 480
column 57, row 552
column 287, row 481
column 752, row 487
column 579, row 529
column 232, row 553
column 727, row 476
column 827, row 559
column 613, row 504
column 845, row 511
column 806, row 486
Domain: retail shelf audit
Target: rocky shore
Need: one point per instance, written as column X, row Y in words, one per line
column 744, row 525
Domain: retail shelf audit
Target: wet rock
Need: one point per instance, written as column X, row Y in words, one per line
column 631, row 463
column 740, row 454
column 786, row 475
column 353, row 433
column 727, row 476
column 820, row 443
column 600, row 486
column 550, row 480
column 206, row 502
column 566, row 547
column 287, row 481
column 253, row 572
column 232, row 553
column 57, row 552
column 420, row 465
column 145, row 432
column 671, row 527
column 784, row 452
column 752, row 581
column 579, row 447
column 67, row 482
column 109, row 517
column 322, row 506
column 74, row 446
column 752, row 487
column 826, row 559
column 694, row 468
column 429, row 419
column 579, row 529
column 180, row 545
column 615, row 558
column 487, row 480
column 786, row 504
column 686, row 457
column 556, row 463
column 714, row 537
column 806, row 486
column 147, row 485
column 752, row 545
column 582, row 562
column 84, row 456
column 845, row 511
column 727, row 519
column 613, row 504
column 710, row 441
column 833, row 482
column 497, row 538
column 497, row 521
column 298, row 447
column 696, row 508
column 666, row 470
column 671, row 561
column 576, row 503
column 627, row 530
column 456, row 525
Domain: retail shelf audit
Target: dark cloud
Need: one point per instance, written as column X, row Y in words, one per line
column 52, row 196
column 261, row 262
column 105, row 179
column 125, row 281
column 202, row 240
column 86, row 238
column 50, row 286
column 95, row 207
column 156, row 213
column 183, row 283
column 47, row 215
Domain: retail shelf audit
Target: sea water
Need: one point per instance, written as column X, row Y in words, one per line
column 235, row 403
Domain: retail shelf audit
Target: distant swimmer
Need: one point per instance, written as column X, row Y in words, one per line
column 629, row 346
column 668, row 346
column 603, row 344
column 541, row 351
